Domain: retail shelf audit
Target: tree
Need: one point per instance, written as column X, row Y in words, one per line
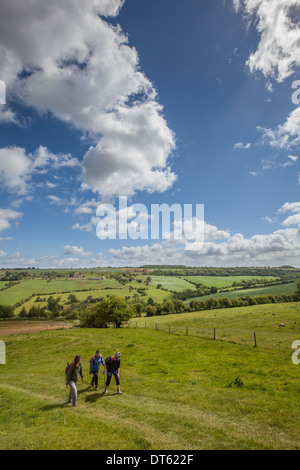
column 168, row 307
column 72, row 299
column 213, row 290
column 34, row 312
column 139, row 309
column 52, row 305
column 179, row 305
column 112, row 309
column 23, row 313
column 151, row 310
column 6, row 311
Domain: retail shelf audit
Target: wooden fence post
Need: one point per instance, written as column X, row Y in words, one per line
column 214, row 333
column 255, row 342
column 187, row 330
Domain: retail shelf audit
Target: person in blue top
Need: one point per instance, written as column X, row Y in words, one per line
column 95, row 363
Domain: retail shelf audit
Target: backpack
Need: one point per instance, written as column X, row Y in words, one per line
column 109, row 359
column 69, row 364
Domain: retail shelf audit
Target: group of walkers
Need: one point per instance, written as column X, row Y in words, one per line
column 111, row 365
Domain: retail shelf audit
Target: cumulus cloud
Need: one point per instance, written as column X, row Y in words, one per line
column 76, row 251
column 17, row 167
column 293, row 207
column 220, row 248
column 7, row 216
column 286, row 135
column 16, row 260
column 280, row 247
column 277, row 22
column 133, row 153
column 64, row 57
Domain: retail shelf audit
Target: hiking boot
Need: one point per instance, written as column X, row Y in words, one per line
column 119, row 391
column 96, row 389
column 105, row 390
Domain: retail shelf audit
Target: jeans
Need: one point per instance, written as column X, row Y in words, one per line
column 73, row 393
column 95, row 378
column 109, row 375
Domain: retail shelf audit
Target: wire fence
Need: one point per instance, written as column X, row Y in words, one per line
column 261, row 337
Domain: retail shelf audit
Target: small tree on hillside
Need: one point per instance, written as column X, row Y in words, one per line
column 112, row 309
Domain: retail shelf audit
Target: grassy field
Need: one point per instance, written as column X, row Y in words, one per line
column 179, row 392
column 26, row 288
column 235, row 325
column 172, row 283
column 56, row 287
column 287, row 289
column 224, row 281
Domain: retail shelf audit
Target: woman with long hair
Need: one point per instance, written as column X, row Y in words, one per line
column 75, row 370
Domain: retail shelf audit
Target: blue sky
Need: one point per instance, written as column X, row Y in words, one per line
column 165, row 102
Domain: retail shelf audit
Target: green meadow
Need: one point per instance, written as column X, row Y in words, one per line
column 81, row 287
column 275, row 325
column 224, row 281
column 179, row 391
column 280, row 289
column 172, row 283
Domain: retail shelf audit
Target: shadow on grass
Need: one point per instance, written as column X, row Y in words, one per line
column 64, row 405
column 96, row 395
column 52, row 407
column 89, row 399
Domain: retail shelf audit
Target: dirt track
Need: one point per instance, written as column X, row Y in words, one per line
column 22, row 327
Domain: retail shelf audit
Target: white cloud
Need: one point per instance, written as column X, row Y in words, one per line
column 241, row 145
column 133, row 153
column 280, row 247
column 6, row 216
column 76, row 251
column 45, row 261
column 55, row 199
column 289, row 206
column 7, row 116
column 269, row 87
column 286, row 135
column 83, row 71
column 278, row 52
column 293, row 207
column 274, row 249
column 17, row 167
column 292, row 160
